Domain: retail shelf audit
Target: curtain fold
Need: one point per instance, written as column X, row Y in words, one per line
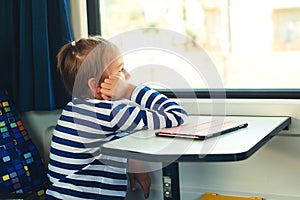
column 33, row 32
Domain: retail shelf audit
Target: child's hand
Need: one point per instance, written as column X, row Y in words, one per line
column 143, row 179
column 137, row 173
column 116, row 87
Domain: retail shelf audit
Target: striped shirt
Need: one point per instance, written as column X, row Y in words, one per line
column 77, row 169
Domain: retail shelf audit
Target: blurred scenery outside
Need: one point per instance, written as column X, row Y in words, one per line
column 252, row 43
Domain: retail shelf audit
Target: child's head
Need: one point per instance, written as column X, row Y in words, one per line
column 84, row 59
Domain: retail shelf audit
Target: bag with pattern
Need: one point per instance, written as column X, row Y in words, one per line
column 22, row 172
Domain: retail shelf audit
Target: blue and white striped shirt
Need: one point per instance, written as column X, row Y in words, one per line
column 77, row 169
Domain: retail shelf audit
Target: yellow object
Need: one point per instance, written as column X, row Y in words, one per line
column 41, row 192
column 5, row 103
column 5, row 177
column 212, row 196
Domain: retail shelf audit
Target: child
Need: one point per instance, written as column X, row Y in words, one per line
column 104, row 105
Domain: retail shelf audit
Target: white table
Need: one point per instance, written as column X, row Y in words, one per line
column 234, row 146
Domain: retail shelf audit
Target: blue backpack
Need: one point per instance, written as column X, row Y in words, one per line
column 22, row 172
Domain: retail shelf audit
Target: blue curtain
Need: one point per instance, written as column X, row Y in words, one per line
column 32, row 32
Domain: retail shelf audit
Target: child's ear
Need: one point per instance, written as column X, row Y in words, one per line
column 94, row 85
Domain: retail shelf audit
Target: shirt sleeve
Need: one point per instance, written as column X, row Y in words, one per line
column 152, row 110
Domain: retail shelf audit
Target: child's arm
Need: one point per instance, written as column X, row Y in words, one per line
column 155, row 110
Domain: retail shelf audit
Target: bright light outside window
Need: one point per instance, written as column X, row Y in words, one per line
column 253, row 43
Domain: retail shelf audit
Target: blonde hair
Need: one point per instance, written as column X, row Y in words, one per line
column 86, row 58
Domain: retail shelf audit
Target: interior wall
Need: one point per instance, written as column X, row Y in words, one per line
column 272, row 173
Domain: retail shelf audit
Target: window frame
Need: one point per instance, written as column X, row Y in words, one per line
column 93, row 17
column 94, row 27
column 233, row 93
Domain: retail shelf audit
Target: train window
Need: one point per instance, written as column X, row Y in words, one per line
column 252, row 44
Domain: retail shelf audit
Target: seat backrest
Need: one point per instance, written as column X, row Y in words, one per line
column 47, row 143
